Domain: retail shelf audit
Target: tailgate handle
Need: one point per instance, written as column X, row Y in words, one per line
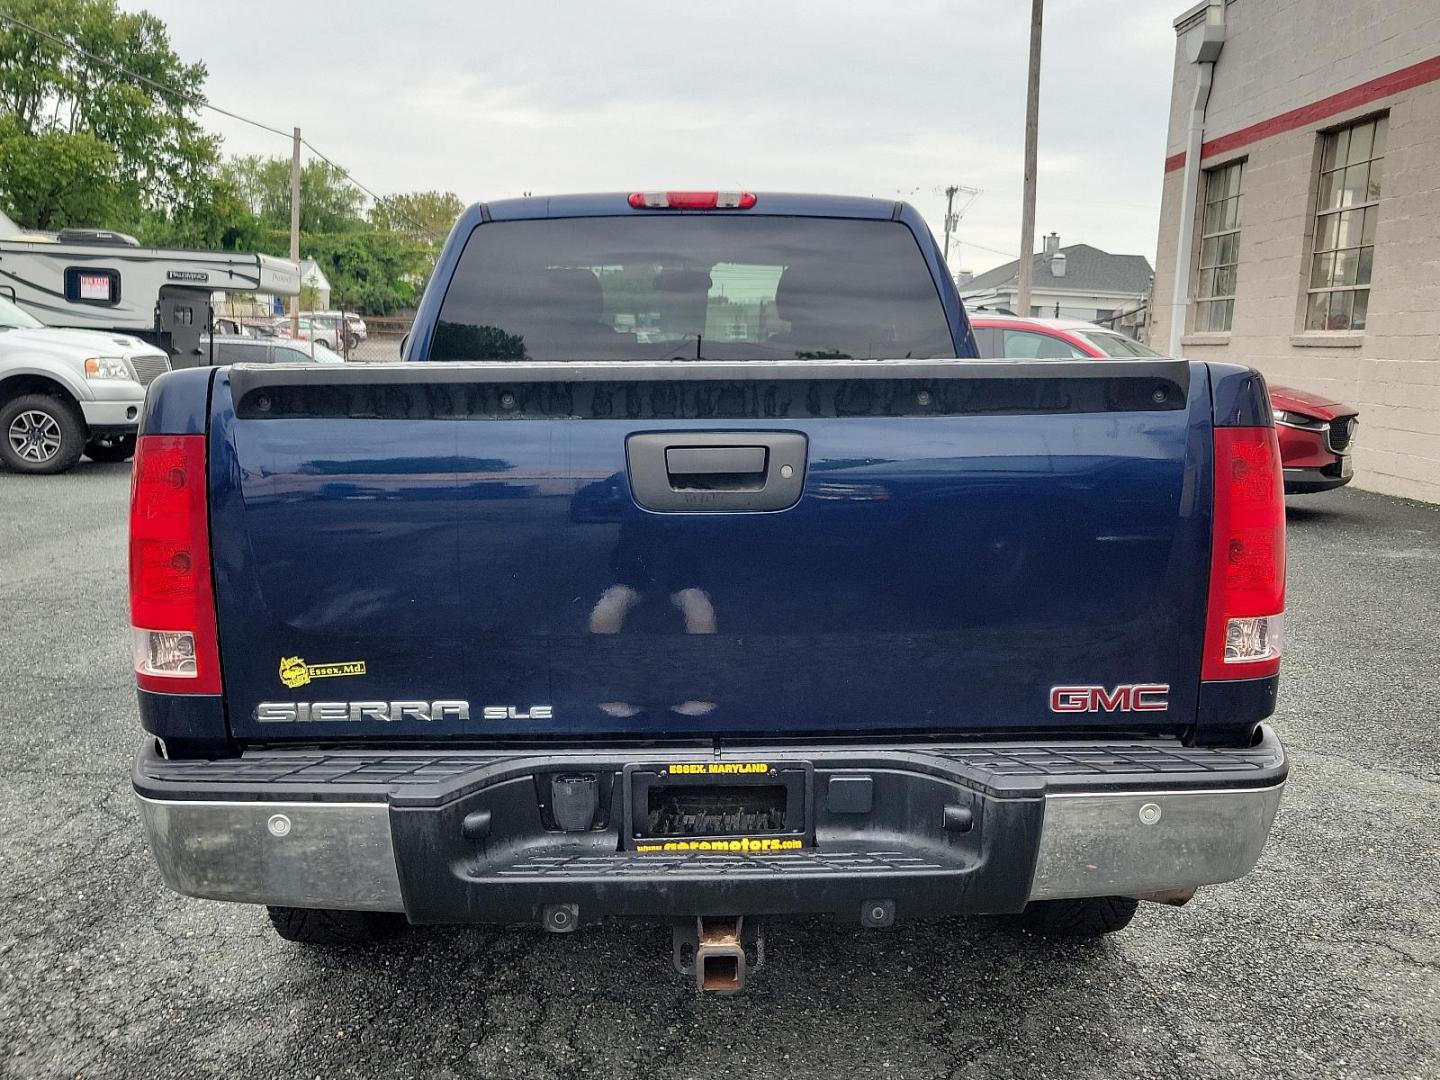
column 716, row 471
column 683, row 461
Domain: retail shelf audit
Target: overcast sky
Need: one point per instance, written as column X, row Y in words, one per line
column 901, row 97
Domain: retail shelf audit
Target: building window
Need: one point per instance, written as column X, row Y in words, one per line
column 1346, row 208
column 1219, row 248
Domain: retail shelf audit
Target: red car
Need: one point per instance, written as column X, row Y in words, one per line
column 1315, row 433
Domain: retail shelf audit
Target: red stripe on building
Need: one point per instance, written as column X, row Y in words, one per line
column 1405, row 79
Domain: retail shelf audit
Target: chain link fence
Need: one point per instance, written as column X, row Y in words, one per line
column 382, row 341
column 380, row 345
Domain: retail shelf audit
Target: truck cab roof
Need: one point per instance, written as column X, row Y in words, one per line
column 604, row 204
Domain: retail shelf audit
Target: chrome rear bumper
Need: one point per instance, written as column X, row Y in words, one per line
column 322, row 855
column 1132, row 843
column 1130, row 840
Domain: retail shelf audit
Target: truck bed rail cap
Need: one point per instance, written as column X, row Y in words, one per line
column 246, row 377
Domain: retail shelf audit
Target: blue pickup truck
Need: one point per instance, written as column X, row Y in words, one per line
column 692, row 568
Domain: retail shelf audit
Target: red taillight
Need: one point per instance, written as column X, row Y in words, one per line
column 1247, row 557
column 692, row 200
column 172, row 607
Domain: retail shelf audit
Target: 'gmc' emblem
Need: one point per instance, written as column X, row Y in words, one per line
column 1134, row 697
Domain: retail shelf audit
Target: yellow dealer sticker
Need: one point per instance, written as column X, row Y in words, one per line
column 746, row 845
column 295, row 672
column 717, row 768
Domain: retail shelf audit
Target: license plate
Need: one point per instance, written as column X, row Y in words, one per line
column 1347, row 466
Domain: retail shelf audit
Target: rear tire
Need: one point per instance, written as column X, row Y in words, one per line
column 1085, row 917
column 116, row 448
column 40, row 434
column 323, row 926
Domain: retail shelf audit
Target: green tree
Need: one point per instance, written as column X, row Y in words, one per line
column 309, row 297
column 213, row 216
column 264, row 184
column 128, row 147
column 57, row 179
column 328, row 202
column 425, row 216
column 371, row 272
column 374, row 267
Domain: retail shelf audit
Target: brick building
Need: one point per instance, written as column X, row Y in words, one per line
column 1308, row 230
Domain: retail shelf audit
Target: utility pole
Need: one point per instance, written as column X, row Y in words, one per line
column 949, row 221
column 1032, row 138
column 953, row 216
column 295, row 232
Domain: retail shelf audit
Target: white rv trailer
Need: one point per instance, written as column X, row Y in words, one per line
column 94, row 280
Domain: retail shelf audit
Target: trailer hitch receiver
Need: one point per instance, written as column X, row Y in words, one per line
column 720, row 951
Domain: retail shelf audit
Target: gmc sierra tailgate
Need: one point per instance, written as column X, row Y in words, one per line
column 456, row 551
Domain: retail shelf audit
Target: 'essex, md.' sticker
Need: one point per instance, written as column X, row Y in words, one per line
column 295, row 672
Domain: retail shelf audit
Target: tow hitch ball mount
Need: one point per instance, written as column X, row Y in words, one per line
column 719, row 951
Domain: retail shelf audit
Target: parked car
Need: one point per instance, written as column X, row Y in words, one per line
column 354, row 324
column 1316, row 434
column 233, row 349
column 827, row 618
column 1316, row 439
column 312, row 328
column 330, row 327
column 64, row 393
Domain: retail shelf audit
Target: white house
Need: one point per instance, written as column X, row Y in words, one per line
column 312, row 277
column 1075, row 282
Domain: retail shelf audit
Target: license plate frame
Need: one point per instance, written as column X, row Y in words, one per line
column 640, row 779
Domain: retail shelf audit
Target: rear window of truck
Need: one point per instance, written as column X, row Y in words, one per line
column 691, row 287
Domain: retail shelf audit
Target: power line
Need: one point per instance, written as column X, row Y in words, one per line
column 992, row 251
column 306, row 142
column 198, row 101
column 1005, row 193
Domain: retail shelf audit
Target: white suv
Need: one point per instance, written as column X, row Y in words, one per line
column 64, row 393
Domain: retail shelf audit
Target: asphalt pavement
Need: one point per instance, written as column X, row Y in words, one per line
column 1325, row 962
